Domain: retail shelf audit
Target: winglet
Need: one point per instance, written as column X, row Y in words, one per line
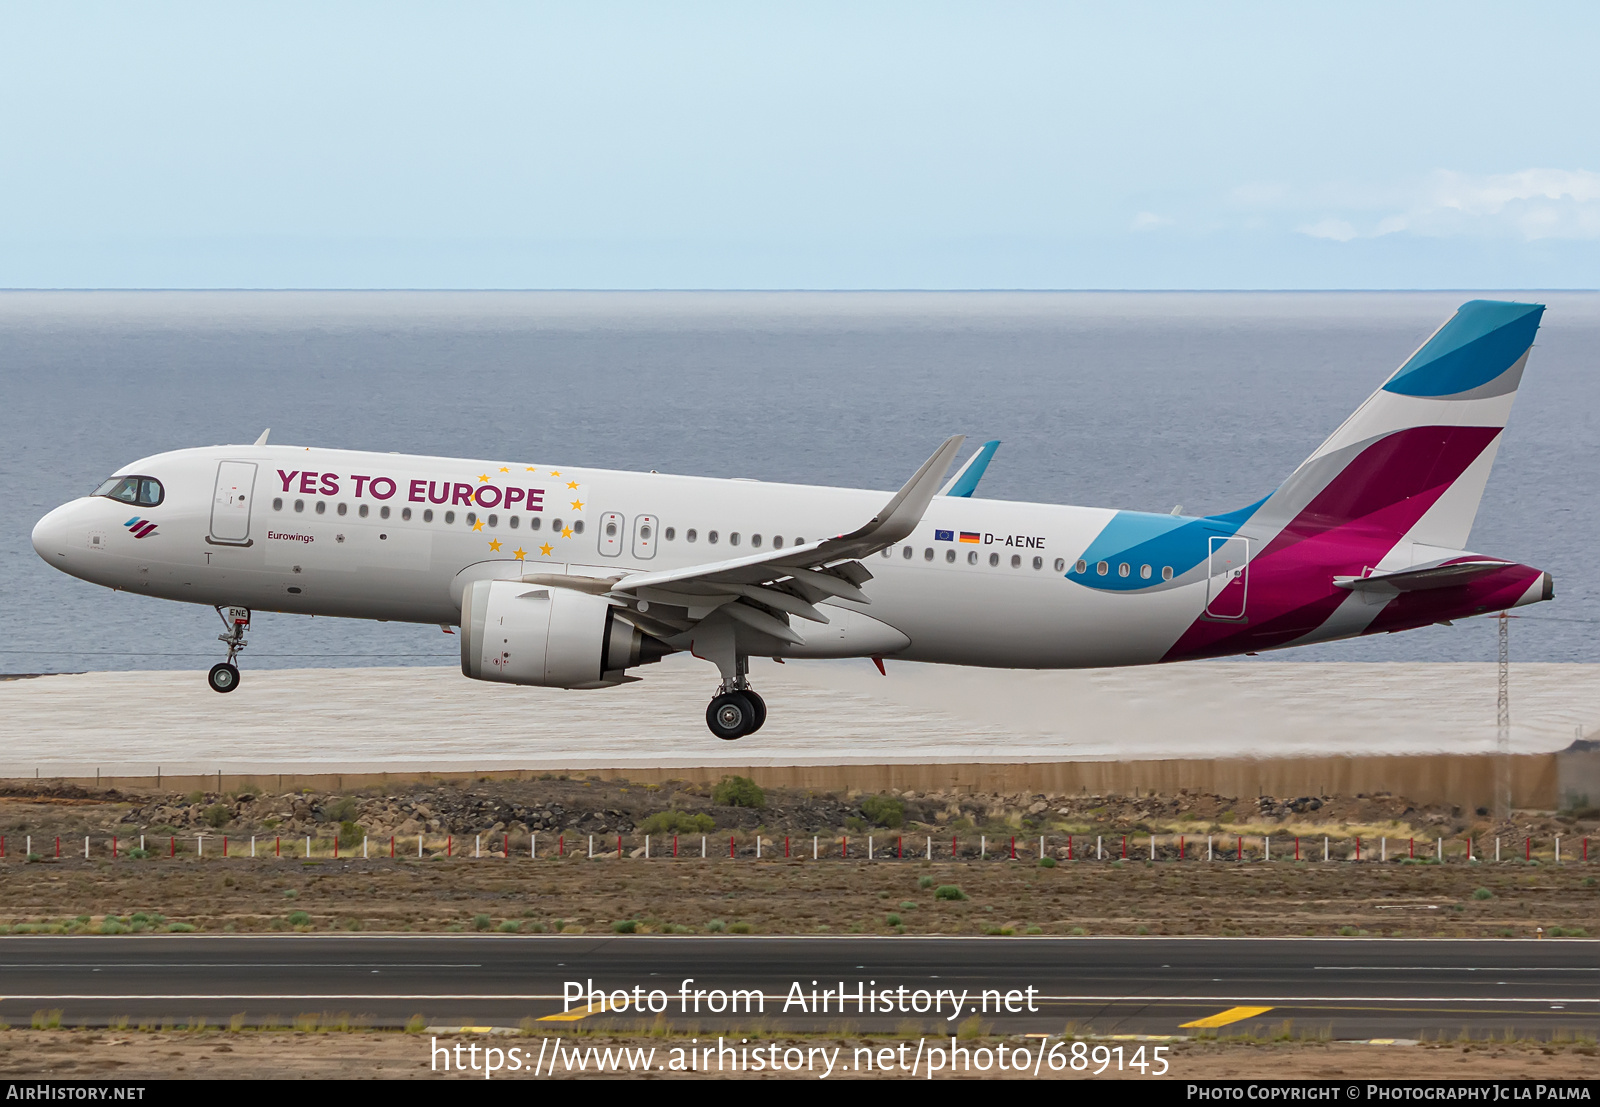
column 965, row 482
column 900, row 516
column 262, row 441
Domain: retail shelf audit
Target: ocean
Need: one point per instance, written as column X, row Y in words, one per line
column 1131, row 400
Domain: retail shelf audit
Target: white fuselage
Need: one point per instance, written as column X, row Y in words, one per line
column 396, row 537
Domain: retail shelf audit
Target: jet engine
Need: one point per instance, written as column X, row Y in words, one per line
column 519, row 633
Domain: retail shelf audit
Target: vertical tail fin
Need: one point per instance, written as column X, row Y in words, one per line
column 1414, row 458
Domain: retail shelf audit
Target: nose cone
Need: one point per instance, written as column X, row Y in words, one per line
column 50, row 535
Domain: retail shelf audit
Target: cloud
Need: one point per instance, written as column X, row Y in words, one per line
column 1530, row 204
column 1337, row 229
column 1149, row 221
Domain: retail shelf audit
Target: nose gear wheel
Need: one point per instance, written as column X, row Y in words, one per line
column 224, row 676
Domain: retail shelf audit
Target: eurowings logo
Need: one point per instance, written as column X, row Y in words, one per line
column 140, row 528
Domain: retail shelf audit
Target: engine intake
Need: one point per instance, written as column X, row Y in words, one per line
column 517, row 633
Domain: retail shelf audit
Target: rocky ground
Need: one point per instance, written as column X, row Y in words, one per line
column 565, row 889
column 579, row 807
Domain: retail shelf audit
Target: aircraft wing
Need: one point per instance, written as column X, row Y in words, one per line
column 759, row 590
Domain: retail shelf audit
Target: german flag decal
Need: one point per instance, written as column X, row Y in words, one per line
column 971, row 536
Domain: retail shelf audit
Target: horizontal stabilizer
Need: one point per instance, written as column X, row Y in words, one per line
column 1419, row 579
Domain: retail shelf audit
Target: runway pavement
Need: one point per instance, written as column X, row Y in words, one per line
column 1355, row 989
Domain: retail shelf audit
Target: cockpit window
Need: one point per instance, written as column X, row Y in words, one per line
column 143, row 491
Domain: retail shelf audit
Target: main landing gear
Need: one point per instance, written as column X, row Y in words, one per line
column 224, row 676
column 735, row 714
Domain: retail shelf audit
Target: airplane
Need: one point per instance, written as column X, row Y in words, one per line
column 571, row 577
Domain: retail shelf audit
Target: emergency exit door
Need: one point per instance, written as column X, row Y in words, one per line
column 230, row 503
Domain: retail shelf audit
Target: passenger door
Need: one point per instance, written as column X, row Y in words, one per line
column 1229, row 577
column 230, row 503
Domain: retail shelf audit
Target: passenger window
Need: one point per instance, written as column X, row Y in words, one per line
column 906, row 553
column 1061, row 565
column 577, row 526
column 449, row 516
column 1016, row 561
column 534, row 522
column 364, row 510
column 799, row 541
column 950, row 556
column 1166, row 572
column 322, row 507
column 777, row 542
column 277, row 503
column 671, row 533
column 994, row 559
column 887, row 552
column 383, row 512
column 611, row 529
column 299, row 505
column 1038, row 563
column 755, row 541
column 1102, row 568
column 472, row 517
column 972, row 557
column 711, row 536
column 1081, row 567
column 494, row 520
column 427, row 515
column 555, row 525
column 1122, row 570
column 343, row 508
column 405, row 513
column 1144, row 572
column 690, row 535
column 733, row 539
column 513, row 522
column 927, row 554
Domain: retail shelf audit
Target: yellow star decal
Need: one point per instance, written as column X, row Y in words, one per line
column 505, row 469
column 566, row 532
column 519, row 553
column 530, row 469
column 494, row 544
column 484, row 477
column 478, row 525
column 545, row 549
column 553, row 473
column 572, row 484
column 577, row 505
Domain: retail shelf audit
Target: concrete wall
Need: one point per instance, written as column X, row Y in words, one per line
column 1464, row 781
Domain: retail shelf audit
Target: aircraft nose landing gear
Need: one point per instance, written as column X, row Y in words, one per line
column 224, row 676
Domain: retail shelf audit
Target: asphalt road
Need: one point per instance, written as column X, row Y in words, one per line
column 1353, row 988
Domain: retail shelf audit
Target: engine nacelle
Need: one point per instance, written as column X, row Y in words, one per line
column 519, row 633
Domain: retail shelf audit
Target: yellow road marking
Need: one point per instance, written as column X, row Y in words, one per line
column 575, row 1014
column 1223, row 1018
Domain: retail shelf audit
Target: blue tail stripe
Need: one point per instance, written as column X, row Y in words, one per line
column 1482, row 340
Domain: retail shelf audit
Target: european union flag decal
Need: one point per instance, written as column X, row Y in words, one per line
column 944, row 536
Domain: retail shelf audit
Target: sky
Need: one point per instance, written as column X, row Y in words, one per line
column 808, row 145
